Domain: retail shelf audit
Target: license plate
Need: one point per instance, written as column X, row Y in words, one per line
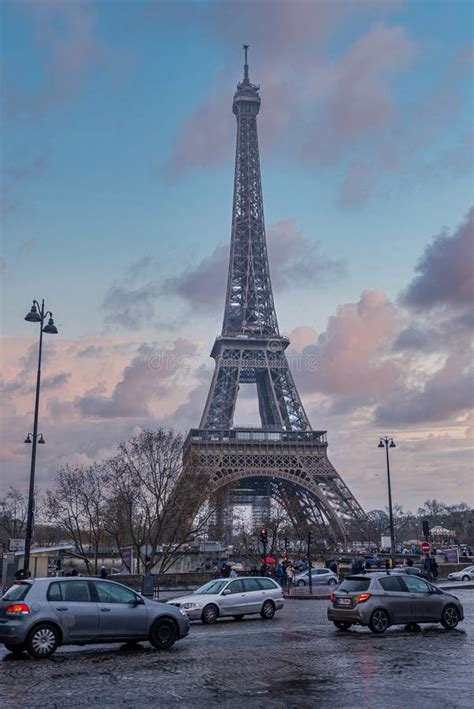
column 343, row 601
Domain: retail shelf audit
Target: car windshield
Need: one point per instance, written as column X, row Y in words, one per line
column 17, row 592
column 211, row 587
column 350, row 585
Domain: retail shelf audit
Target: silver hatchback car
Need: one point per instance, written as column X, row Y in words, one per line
column 38, row 615
column 318, row 577
column 232, row 597
column 385, row 599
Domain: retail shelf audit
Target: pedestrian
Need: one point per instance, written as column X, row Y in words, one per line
column 362, row 565
column 333, row 567
column 279, row 574
column 103, row 572
column 354, row 566
column 434, row 568
column 290, row 575
column 427, row 568
column 388, row 564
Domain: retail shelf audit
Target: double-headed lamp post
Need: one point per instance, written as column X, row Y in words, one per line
column 387, row 443
column 37, row 314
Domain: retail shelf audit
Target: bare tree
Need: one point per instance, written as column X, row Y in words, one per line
column 77, row 505
column 146, row 509
column 13, row 513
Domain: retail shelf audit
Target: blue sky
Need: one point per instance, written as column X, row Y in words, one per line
column 118, row 147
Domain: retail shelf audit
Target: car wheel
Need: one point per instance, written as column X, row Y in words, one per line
column 301, row 583
column 450, row 617
column 42, row 641
column 163, row 634
column 268, row 610
column 15, row 649
column 379, row 621
column 237, row 617
column 466, row 578
column 209, row 614
column 342, row 624
column 332, row 582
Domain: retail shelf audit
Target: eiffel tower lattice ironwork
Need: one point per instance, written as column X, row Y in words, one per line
column 284, row 457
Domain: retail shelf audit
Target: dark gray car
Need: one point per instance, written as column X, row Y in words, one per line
column 38, row 615
column 385, row 599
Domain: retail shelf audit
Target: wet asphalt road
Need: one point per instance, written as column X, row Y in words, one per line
column 296, row 660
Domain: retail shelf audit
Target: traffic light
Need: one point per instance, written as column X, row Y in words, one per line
column 426, row 528
column 263, row 535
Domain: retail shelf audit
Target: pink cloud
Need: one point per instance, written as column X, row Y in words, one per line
column 349, row 358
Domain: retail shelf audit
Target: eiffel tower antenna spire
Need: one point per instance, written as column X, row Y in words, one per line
column 246, row 66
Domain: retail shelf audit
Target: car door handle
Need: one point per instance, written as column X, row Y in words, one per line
column 61, row 609
column 105, row 610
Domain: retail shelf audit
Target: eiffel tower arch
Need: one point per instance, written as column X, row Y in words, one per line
column 285, row 453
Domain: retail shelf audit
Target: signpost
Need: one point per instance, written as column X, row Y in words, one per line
column 16, row 544
column 425, row 547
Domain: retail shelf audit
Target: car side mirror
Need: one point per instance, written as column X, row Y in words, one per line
column 138, row 601
column 226, row 592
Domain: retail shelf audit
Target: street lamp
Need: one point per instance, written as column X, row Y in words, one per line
column 37, row 314
column 387, row 443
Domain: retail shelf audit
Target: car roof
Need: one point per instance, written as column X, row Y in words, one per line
column 67, row 579
column 237, row 578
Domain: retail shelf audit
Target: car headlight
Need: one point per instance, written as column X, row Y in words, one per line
column 189, row 605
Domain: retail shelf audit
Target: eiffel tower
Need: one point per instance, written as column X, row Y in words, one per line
column 284, row 457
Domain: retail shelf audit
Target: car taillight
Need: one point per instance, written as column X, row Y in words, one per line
column 332, row 597
column 363, row 597
column 17, row 609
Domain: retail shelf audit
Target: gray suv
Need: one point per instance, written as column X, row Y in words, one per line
column 385, row 599
column 38, row 615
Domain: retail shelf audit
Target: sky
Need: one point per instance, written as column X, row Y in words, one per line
column 116, row 170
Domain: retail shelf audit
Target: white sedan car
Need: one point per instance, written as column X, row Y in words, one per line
column 466, row 574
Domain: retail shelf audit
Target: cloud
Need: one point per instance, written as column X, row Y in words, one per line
column 130, row 308
column 69, row 49
column 349, row 361
column 448, row 393
column 445, row 275
column 317, row 104
column 356, row 102
column 295, row 262
column 146, row 377
column 90, row 351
